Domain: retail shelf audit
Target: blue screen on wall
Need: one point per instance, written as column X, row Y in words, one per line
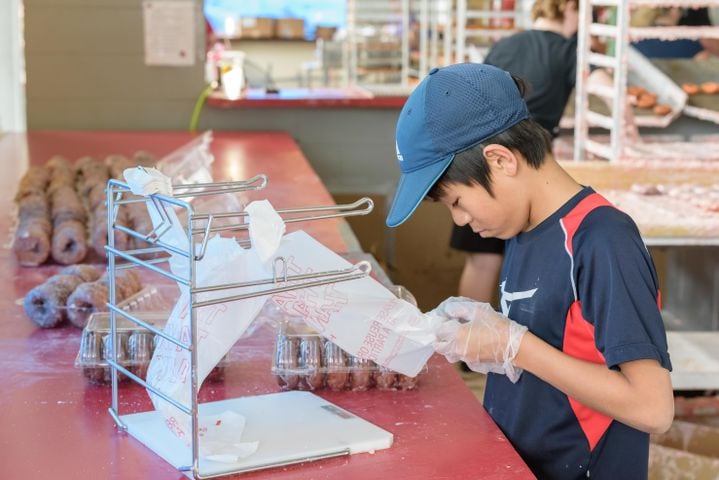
column 329, row 13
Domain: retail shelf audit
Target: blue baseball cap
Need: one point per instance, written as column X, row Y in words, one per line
column 451, row 110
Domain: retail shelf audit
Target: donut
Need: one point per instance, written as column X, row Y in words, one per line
column 646, row 100
column 33, row 205
column 34, row 181
column 286, row 362
column 139, row 349
column 87, row 273
column 31, row 244
column 690, row 88
column 662, row 109
column 45, row 304
column 90, row 356
column 69, row 243
column 117, row 164
column 85, row 300
column 360, row 373
column 66, row 205
column 336, row 366
column 710, row 87
column 635, row 90
column 121, row 359
column 407, row 383
column 310, row 363
column 385, row 378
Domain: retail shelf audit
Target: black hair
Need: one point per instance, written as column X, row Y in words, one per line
column 527, row 138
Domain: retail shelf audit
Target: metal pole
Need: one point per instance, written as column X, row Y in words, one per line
column 461, row 29
column 193, row 350
column 113, row 297
column 619, row 103
column 581, row 130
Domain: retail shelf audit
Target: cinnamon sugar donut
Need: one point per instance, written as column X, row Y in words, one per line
column 646, row 100
column 286, row 362
column 66, row 205
column 69, row 242
column 34, row 181
column 407, row 383
column 32, row 241
column 45, row 303
column 690, row 88
column 336, row 366
column 662, row 109
column 85, row 300
column 87, row 273
column 361, row 373
column 710, row 87
column 117, row 164
column 385, row 378
column 310, row 362
column 33, row 205
column 91, row 356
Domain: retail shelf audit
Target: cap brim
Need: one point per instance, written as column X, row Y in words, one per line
column 413, row 188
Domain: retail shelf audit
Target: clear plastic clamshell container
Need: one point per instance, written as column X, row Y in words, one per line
column 136, row 344
column 303, row 360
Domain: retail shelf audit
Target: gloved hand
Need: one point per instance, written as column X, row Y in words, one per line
column 475, row 333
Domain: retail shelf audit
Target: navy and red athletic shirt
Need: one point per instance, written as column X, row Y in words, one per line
column 584, row 282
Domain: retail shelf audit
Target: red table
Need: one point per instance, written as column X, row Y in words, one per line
column 54, row 425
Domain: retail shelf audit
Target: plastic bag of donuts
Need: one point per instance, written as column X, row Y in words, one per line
column 303, row 360
column 135, row 347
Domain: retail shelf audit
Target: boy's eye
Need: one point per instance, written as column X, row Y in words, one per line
column 455, row 204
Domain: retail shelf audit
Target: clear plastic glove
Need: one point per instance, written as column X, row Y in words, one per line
column 475, row 333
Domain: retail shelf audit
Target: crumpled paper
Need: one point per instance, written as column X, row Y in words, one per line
column 266, row 228
column 220, row 438
column 146, row 181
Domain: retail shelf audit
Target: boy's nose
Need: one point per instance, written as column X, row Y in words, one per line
column 460, row 218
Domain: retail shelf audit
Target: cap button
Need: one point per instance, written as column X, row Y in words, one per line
column 434, row 70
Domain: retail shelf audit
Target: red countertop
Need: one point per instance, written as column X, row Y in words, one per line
column 350, row 97
column 54, row 425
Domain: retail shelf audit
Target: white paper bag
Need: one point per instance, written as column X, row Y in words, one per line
column 361, row 316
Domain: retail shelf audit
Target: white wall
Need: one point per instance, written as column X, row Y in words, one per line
column 12, row 91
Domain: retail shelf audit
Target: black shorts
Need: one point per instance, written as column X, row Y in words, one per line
column 463, row 238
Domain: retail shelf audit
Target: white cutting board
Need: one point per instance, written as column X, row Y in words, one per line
column 291, row 427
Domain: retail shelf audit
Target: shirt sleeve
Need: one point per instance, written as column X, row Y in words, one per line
column 618, row 289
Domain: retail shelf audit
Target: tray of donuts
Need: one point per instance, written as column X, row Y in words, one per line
column 305, row 361
column 136, row 346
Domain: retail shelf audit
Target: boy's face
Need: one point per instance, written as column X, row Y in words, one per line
column 503, row 215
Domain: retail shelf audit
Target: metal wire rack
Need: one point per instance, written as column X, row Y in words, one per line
column 199, row 228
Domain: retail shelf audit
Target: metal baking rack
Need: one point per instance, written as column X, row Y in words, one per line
column 199, row 227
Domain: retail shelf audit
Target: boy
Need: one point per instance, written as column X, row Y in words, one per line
column 546, row 57
column 579, row 294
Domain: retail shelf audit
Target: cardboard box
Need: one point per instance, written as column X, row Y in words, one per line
column 257, row 27
column 325, row 33
column 686, row 451
column 671, row 464
column 290, row 28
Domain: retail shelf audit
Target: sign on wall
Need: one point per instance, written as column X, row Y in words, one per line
column 170, row 31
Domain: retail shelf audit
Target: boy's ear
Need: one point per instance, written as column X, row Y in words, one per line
column 501, row 160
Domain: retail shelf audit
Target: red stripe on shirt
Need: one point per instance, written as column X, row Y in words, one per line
column 579, row 343
column 573, row 219
column 578, row 332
